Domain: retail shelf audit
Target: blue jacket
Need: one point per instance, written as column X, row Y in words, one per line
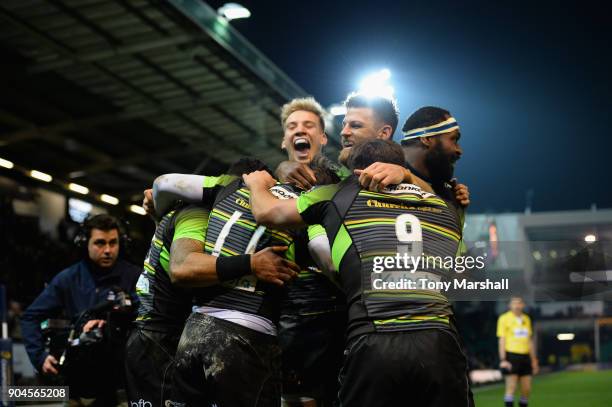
column 73, row 291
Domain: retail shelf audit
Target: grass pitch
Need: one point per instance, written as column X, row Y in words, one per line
column 564, row 389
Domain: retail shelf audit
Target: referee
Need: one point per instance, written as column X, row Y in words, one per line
column 516, row 351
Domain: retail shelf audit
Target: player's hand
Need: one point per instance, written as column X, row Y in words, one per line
column 147, row 202
column 258, row 179
column 93, row 324
column 462, row 193
column 267, row 265
column 535, row 366
column 49, row 364
column 378, row 176
column 297, row 174
column 504, row 364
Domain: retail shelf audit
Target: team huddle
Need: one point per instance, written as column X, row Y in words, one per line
column 258, row 286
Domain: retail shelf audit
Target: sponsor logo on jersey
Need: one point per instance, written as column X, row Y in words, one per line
column 282, row 193
column 374, row 203
column 407, row 189
column 243, row 203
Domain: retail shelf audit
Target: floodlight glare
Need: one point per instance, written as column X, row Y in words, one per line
column 6, row 163
column 78, row 188
column 337, row 110
column 590, row 238
column 566, row 337
column 41, row 176
column 376, row 85
column 233, row 11
column 138, row 209
column 109, row 199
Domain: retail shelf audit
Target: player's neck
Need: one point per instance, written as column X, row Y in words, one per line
column 416, row 160
column 518, row 314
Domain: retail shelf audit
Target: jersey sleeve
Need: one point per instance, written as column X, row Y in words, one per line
column 342, row 172
column 191, row 223
column 501, row 327
column 212, row 185
column 315, row 231
column 311, row 205
column 319, row 248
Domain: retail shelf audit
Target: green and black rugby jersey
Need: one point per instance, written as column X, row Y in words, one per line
column 310, row 293
column 163, row 305
column 364, row 227
column 232, row 231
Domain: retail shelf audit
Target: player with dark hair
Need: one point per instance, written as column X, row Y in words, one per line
column 175, row 265
column 402, row 343
column 228, row 302
column 431, row 148
column 164, row 306
column 176, row 269
column 368, row 115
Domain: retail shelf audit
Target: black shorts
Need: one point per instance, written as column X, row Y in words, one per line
column 149, row 359
column 312, row 348
column 521, row 364
column 223, row 364
column 425, row 368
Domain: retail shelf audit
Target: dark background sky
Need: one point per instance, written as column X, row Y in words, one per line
column 529, row 84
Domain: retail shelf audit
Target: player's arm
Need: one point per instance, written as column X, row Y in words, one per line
column 191, row 267
column 266, row 208
column 380, row 175
column 169, row 188
column 320, row 251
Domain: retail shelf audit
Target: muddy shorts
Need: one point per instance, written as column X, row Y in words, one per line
column 223, row 364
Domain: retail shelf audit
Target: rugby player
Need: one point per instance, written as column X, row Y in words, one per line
column 402, row 344
column 242, row 307
column 431, row 149
column 175, row 262
column 517, row 353
column 313, row 317
column 366, row 118
column 377, row 118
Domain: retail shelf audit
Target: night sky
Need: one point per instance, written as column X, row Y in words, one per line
column 530, row 85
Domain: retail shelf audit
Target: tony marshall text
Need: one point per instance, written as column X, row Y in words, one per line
column 427, row 284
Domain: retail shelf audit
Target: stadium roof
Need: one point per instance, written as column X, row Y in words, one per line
column 109, row 94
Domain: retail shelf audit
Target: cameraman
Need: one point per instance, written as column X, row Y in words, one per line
column 72, row 292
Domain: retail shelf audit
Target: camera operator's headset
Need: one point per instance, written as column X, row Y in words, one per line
column 82, row 236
